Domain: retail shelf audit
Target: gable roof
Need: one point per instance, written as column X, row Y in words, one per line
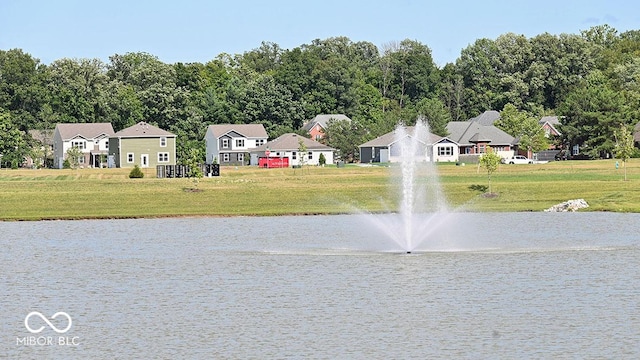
column 470, row 132
column 246, row 130
column 323, row 120
column 142, row 129
column 69, row 131
column 487, row 118
column 289, row 142
column 553, row 120
column 550, row 121
column 390, row 138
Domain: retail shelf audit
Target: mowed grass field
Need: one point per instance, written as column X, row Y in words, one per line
column 247, row 191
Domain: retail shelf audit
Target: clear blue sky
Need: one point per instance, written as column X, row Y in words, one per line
column 199, row 30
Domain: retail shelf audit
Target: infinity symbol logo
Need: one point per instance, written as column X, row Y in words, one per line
column 35, row 331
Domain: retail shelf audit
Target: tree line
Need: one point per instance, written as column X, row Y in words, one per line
column 591, row 80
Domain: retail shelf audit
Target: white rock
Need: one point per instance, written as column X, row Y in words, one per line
column 569, row 205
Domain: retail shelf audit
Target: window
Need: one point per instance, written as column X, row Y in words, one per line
column 78, row 144
column 482, row 148
column 225, row 157
column 163, row 142
column 445, row 151
column 259, row 142
column 575, row 150
column 225, row 143
column 80, row 159
column 293, row 155
column 129, row 157
column 163, row 157
column 241, row 157
column 240, row 143
column 310, row 155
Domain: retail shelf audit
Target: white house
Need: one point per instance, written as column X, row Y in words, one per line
column 288, row 146
column 91, row 138
column 230, row 144
column 389, row 147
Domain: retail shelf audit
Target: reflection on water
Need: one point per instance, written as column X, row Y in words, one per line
column 530, row 285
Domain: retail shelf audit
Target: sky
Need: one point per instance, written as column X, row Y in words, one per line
column 199, row 30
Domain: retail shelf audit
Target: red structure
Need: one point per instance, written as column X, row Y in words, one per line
column 273, row 162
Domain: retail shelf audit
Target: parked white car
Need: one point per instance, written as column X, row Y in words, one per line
column 518, row 159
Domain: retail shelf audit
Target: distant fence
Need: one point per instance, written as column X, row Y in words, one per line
column 180, row 171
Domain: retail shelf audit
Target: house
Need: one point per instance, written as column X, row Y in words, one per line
column 91, row 138
column 550, row 126
column 389, row 147
column 229, row 144
column 143, row 145
column 473, row 136
column 316, row 127
column 287, row 146
column 42, row 152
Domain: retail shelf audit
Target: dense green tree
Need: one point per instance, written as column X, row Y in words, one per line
column 264, row 59
column 559, row 64
column 13, row 143
column 345, row 136
column 21, row 87
column 591, row 113
column 477, row 67
column 452, row 93
column 436, row 114
column 414, row 75
column 525, row 127
column 272, row 105
column 77, row 90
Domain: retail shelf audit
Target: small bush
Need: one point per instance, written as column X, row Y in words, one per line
column 136, row 173
column 322, row 159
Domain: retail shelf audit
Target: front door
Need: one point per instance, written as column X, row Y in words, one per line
column 144, row 160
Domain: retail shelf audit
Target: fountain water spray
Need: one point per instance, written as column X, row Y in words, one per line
column 422, row 208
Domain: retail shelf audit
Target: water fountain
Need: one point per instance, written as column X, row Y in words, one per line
column 422, row 211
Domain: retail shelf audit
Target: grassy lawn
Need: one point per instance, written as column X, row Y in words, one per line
column 109, row 193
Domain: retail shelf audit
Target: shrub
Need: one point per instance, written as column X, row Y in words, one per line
column 322, row 160
column 136, row 173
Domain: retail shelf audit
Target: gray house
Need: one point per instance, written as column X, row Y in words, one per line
column 387, row 148
column 473, row 136
column 230, row 144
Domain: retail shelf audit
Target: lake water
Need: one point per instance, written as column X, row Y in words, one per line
column 516, row 285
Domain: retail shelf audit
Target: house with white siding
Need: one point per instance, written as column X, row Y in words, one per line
column 92, row 139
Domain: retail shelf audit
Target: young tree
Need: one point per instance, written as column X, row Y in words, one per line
column 302, row 151
column 624, row 146
column 490, row 161
column 73, row 156
column 193, row 162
